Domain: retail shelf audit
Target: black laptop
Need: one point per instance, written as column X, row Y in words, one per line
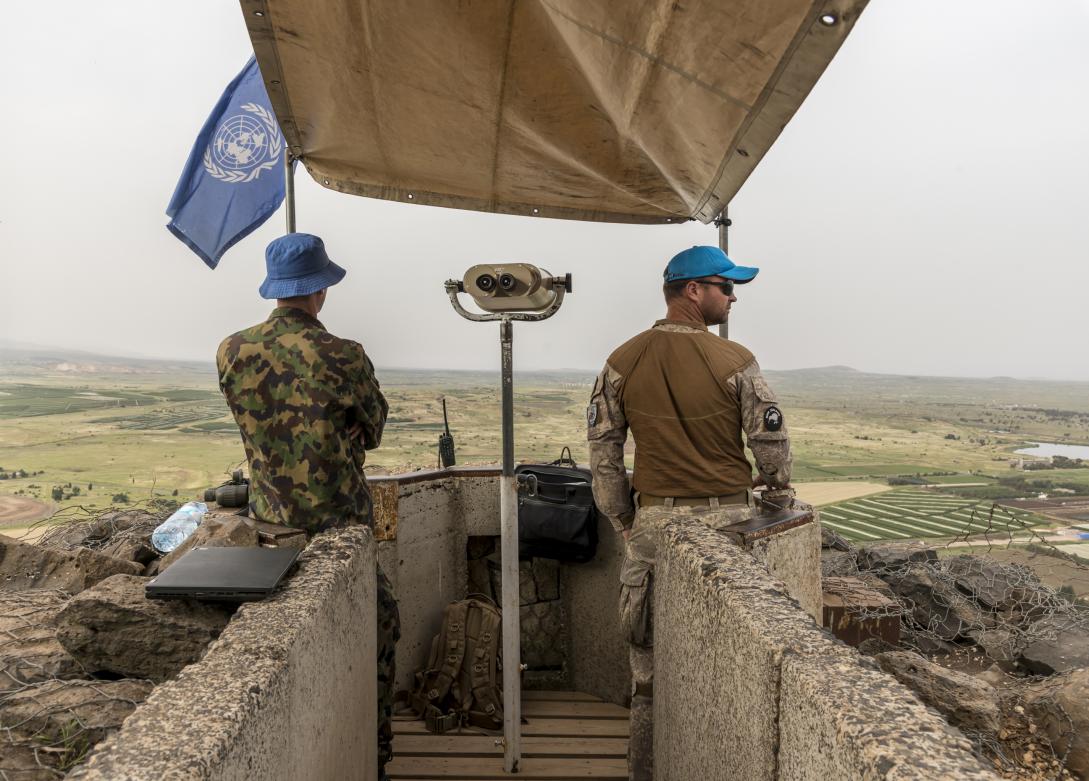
column 223, row 574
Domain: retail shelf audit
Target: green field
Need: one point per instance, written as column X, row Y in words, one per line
column 147, row 429
column 909, row 513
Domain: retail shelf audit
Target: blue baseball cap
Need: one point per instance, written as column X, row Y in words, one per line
column 700, row 262
column 298, row 266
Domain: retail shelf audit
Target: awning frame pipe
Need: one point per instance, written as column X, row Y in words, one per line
column 723, row 223
column 289, row 190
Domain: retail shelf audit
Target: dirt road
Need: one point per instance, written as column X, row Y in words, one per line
column 22, row 510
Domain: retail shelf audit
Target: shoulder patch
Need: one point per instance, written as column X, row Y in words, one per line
column 591, row 414
column 773, row 418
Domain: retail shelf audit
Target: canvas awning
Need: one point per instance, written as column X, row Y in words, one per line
column 616, row 110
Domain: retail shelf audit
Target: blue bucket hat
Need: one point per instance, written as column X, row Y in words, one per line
column 298, row 266
column 700, row 262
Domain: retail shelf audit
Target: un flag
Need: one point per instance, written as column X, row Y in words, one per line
column 234, row 178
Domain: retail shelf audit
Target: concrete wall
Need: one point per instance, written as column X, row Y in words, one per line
column 746, row 685
column 286, row 692
column 429, row 517
column 597, row 653
column 794, row 557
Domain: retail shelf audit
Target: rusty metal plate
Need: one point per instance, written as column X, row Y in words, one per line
column 384, row 494
column 765, row 524
column 854, row 611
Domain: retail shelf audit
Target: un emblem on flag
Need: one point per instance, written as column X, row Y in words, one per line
column 244, row 146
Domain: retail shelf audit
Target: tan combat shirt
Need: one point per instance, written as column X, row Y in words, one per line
column 687, row 395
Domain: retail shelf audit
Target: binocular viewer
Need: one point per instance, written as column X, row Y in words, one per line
column 512, row 287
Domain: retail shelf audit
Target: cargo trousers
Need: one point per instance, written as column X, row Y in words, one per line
column 389, row 632
column 637, row 614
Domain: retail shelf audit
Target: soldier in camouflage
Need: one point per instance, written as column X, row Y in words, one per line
column 687, row 396
column 309, row 407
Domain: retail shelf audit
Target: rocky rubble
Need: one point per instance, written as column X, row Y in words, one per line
column 29, row 651
column 976, row 632
column 965, row 701
column 1058, row 644
column 1060, row 705
column 103, row 531
column 114, row 628
column 48, row 710
column 25, row 566
column 80, row 645
column 936, row 605
column 52, row 726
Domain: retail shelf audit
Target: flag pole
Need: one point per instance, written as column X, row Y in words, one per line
column 289, row 190
column 723, row 223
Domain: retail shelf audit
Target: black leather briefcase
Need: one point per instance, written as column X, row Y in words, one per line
column 557, row 518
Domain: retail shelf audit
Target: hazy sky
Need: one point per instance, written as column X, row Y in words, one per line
column 923, row 213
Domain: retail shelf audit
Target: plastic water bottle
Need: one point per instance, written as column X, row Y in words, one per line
column 174, row 530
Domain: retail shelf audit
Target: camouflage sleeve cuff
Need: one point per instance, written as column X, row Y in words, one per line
column 780, row 497
column 623, row 522
column 773, row 461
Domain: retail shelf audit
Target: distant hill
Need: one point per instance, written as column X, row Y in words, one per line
column 26, row 361
column 837, row 386
column 841, row 385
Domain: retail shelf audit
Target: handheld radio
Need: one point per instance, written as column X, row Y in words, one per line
column 446, row 441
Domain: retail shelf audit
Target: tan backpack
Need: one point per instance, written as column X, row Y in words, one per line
column 461, row 684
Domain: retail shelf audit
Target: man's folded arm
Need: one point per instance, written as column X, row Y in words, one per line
column 371, row 407
column 607, row 431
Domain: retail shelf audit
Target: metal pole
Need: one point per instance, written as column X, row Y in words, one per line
column 723, row 223
column 508, row 513
column 289, row 190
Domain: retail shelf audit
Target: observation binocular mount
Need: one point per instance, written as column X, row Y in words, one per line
column 516, row 291
column 508, row 292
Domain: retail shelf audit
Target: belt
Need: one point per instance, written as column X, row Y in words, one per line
column 648, row 500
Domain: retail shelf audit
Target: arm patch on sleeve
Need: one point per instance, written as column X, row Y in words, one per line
column 591, row 414
column 773, row 418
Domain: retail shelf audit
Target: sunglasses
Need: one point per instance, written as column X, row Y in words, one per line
column 726, row 285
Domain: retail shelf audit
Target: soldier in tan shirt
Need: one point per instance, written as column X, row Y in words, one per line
column 687, row 395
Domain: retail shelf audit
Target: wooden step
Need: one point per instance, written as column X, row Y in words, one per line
column 484, row 746
column 543, row 727
column 558, row 695
column 485, row 769
column 573, row 710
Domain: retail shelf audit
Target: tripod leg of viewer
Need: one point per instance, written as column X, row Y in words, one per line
column 389, row 632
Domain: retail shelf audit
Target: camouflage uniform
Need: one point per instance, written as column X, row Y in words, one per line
column 295, row 390
column 743, row 394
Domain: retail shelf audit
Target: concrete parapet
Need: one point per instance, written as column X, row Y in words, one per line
column 738, row 682
column 840, row 718
column 721, row 627
column 794, row 556
column 288, row 691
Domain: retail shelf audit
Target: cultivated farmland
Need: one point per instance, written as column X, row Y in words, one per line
column 911, row 513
